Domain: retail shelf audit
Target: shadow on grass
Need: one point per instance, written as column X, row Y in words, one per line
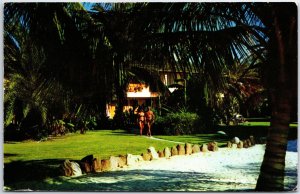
column 9, row 155
column 202, row 138
column 124, row 132
column 32, row 170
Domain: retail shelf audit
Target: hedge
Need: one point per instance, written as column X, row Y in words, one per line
column 178, row 123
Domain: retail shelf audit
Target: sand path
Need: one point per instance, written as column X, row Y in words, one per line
column 225, row 170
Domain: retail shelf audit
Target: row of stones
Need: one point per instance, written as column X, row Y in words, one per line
column 237, row 143
column 90, row 164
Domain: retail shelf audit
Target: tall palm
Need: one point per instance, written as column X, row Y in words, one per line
column 62, row 31
column 155, row 35
column 207, row 37
column 280, row 73
column 191, row 37
column 75, row 51
column 30, row 98
column 243, row 88
column 258, row 28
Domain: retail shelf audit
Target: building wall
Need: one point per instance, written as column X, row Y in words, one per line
column 168, row 77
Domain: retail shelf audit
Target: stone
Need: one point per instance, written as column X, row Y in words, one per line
column 96, row 165
column 195, row 149
column 212, row 146
column 86, row 164
column 146, row 156
column 249, row 142
column 235, row 140
column 240, row 144
column 114, row 162
column 234, row 146
column 122, row 161
column 161, row 154
column 252, row 140
column 88, row 158
column 139, row 158
column 167, row 152
column 174, row 151
column 188, row 149
column 66, row 168
column 133, row 159
column 181, row 150
column 86, row 167
column 204, row 148
column 245, row 144
column 154, row 155
column 229, row 144
column 76, row 169
column 71, row 168
column 130, row 160
column 221, row 133
column 105, row 165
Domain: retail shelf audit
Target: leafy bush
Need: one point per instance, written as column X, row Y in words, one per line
column 178, row 123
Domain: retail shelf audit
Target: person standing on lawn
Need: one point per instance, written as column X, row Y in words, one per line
column 141, row 118
column 149, row 120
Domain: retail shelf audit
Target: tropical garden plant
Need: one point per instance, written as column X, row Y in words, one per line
column 88, row 54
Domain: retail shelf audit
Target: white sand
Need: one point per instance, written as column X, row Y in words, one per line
column 224, row 170
column 239, row 167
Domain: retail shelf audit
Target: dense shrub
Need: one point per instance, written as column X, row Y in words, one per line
column 178, row 123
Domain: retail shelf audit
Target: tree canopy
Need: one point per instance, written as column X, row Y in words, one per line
column 63, row 61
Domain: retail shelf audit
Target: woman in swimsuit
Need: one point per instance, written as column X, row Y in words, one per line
column 141, row 119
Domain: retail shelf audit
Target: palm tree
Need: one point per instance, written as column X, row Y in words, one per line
column 154, row 35
column 281, row 78
column 207, row 37
column 226, row 30
column 192, row 37
column 30, row 98
column 243, row 89
column 75, row 52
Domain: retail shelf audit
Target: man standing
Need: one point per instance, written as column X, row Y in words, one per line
column 149, row 120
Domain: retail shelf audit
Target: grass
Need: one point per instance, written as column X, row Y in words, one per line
column 197, row 138
column 102, row 144
column 257, row 128
column 36, row 161
column 105, row 143
column 263, row 123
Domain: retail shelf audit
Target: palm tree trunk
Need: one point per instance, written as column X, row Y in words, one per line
column 282, row 87
column 271, row 176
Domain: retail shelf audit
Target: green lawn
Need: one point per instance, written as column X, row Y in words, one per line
column 197, row 138
column 263, row 123
column 103, row 143
column 35, row 161
column 257, row 128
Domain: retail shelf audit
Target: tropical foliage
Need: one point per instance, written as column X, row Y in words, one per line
column 61, row 59
column 178, row 123
column 49, row 66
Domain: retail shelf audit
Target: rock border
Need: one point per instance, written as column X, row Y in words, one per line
column 89, row 164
